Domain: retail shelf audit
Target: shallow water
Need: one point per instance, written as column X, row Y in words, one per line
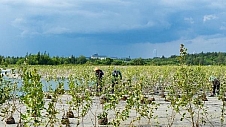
column 48, row 85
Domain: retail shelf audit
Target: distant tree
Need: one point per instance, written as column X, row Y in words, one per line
column 31, row 59
column 81, row 60
column 107, row 61
column 72, row 60
column 58, row 60
column 209, row 58
column 1, row 59
column 117, row 62
column 138, row 61
column 221, row 58
column 20, row 61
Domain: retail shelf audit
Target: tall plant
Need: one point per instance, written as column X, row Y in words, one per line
column 7, row 107
column 185, row 90
column 33, row 97
column 81, row 100
column 222, row 97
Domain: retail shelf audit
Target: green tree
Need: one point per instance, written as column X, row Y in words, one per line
column 107, row 61
column 81, row 60
column 221, row 59
column 138, row 61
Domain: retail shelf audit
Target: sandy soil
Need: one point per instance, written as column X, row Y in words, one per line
column 164, row 113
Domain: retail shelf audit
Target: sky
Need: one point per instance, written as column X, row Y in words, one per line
column 114, row 28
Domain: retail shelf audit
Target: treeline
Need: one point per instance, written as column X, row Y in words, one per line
column 209, row 58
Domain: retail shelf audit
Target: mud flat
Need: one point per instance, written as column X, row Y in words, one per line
column 164, row 115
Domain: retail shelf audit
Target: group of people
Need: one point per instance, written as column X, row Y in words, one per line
column 117, row 76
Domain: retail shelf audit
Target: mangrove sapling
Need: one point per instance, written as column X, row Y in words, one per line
column 86, row 105
column 151, row 107
column 51, row 113
column 5, row 90
column 76, row 98
column 223, row 98
column 49, row 88
column 187, row 82
column 70, row 113
column 146, row 109
column 97, row 98
column 133, row 93
column 33, row 97
column 60, row 91
column 112, row 102
column 155, row 82
column 95, row 120
column 126, row 92
column 202, row 81
column 164, row 81
column 135, row 99
column 7, row 99
column 81, row 100
column 7, row 112
column 102, row 118
column 13, row 105
column 221, row 75
column 65, row 120
column 170, row 117
column 134, row 73
column 51, row 110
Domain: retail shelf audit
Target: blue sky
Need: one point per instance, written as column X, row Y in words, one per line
column 115, row 28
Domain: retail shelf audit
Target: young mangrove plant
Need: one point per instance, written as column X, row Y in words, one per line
column 51, row 110
column 222, row 97
column 33, row 97
column 7, row 100
column 185, row 90
column 81, row 100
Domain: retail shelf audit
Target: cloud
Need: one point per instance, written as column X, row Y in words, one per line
column 43, row 16
column 208, row 17
column 214, row 43
column 190, row 20
column 132, row 27
column 57, row 30
column 80, row 16
column 223, row 28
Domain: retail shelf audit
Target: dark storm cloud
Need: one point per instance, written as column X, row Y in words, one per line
column 97, row 26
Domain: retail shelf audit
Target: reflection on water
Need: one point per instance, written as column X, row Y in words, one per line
column 48, row 85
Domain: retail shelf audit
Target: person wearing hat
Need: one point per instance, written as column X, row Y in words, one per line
column 116, row 76
column 216, row 86
column 99, row 75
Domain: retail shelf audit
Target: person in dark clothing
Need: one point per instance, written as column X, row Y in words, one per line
column 99, row 75
column 116, row 77
column 216, row 86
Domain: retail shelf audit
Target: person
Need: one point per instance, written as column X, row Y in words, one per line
column 116, row 76
column 99, row 75
column 215, row 87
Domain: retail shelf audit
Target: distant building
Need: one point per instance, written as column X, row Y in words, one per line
column 114, row 57
column 96, row 56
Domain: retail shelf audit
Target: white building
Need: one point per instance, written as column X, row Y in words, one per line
column 96, row 56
